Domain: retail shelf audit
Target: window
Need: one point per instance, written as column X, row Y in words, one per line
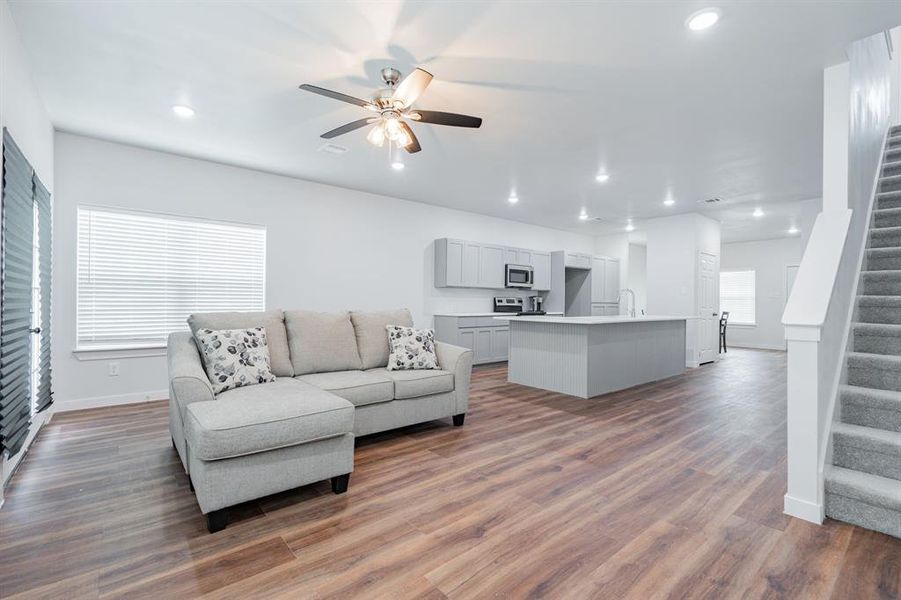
column 140, row 275
column 738, row 297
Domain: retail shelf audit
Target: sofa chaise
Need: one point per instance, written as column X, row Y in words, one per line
column 331, row 385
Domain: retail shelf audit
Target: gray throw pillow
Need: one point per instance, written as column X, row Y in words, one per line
column 235, row 357
column 411, row 348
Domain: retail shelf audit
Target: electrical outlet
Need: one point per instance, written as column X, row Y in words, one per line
column 113, row 369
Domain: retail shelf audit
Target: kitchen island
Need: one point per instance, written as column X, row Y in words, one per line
column 589, row 356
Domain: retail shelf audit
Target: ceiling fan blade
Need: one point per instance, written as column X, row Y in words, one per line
column 413, row 147
column 412, row 86
column 348, row 128
column 436, row 117
column 337, row 96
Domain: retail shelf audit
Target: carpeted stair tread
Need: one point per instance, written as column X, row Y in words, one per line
column 872, row 489
column 879, row 283
column 878, row 300
column 885, row 237
column 876, row 361
column 872, row 370
column 868, row 438
column 887, row 217
column 870, row 407
column 883, row 259
column 877, row 338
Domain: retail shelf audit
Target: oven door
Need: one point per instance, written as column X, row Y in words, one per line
column 518, row 276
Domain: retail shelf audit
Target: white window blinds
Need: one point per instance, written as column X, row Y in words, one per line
column 140, row 275
column 738, row 296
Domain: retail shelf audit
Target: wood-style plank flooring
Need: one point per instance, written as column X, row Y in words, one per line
column 672, row 489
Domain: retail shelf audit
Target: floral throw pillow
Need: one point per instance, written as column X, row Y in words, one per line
column 235, row 357
column 411, row 348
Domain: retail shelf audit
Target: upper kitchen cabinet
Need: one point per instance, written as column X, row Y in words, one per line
column 604, row 279
column 541, row 265
column 459, row 263
column 576, row 260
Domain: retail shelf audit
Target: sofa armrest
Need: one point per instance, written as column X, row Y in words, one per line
column 188, row 381
column 459, row 361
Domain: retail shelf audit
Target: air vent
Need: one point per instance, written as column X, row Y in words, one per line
column 332, row 149
column 711, row 200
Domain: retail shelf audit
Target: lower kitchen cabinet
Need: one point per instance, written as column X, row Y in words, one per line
column 487, row 337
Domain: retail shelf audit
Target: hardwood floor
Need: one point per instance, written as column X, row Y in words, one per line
column 671, row 489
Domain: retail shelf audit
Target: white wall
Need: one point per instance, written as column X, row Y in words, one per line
column 328, row 248
column 836, row 111
column 672, row 268
column 637, row 278
column 769, row 259
column 22, row 112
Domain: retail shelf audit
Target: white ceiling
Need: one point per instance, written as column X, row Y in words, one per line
column 565, row 90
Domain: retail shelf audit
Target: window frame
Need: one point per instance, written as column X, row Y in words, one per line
column 138, row 350
column 731, row 322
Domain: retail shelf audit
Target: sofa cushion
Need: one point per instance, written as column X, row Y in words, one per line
column 372, row 338
column 357, row 387
column 414, row 384
column 235, row 358
column 264, row 417
column 321, row 342
column 411, row 348
column 273, row 321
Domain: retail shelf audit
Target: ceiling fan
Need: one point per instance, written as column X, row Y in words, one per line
column 393, row 105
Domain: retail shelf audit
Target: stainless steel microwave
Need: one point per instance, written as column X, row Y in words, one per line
column 518, row 276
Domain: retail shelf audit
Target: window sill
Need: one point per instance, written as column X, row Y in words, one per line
column 111, row 353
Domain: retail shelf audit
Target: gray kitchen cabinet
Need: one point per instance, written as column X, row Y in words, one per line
column 491, row 266
column 487, row 337
column 541, row 265
column 459, row 263
column 604, row 279
column 577, row 260
column 611, row 278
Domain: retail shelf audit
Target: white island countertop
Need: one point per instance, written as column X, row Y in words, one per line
column 596, row 320
column 484, row 314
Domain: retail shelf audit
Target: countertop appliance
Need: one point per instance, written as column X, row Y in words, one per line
column 515, row 306
column 508, row 305
column 518, row 276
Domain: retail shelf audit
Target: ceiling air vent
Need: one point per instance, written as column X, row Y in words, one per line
column 712, row 200
column 332, row 149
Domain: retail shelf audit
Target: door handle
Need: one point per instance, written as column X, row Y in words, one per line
column 35, row 330
column 715, row 314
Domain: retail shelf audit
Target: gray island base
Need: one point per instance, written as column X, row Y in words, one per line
column 590, row 356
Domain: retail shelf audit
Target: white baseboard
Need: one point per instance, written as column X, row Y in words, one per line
column 100, row 401
column 758, row 346
column 804, row 509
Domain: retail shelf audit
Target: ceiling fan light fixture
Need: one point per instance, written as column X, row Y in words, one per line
column 376, row 135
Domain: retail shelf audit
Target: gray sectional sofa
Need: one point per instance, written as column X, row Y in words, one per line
column 331, row 385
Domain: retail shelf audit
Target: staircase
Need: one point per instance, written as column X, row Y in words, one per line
column 863, row 484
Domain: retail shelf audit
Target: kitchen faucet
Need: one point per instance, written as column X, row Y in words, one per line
column 632, row 293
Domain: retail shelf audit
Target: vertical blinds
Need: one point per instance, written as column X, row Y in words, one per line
column 44, row 395
column 140, row 275
column 16, row 250
column 738, row 296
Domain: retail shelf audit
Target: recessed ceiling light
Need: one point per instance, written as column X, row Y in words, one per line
column 630, row 227
column 513, row 199
column 758, row 212
column 397, row 165
column 703, row 19
column 669, row 202
column 601, row 177
column 185, row 112
column 583, row 216
column 793, row 230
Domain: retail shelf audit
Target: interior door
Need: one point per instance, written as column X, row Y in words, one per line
column 708, row 307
